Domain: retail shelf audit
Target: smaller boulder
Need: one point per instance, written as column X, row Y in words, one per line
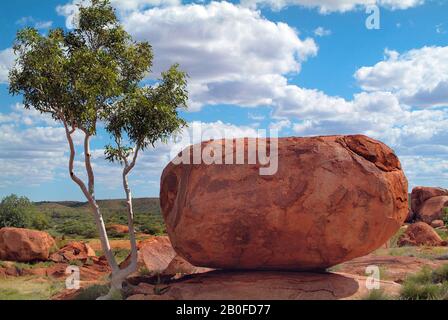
column 73, row 251
column 437, row 224
column 432, row 209
column 23, row 245
column 420, row 194
column 420, row 234
column 154, row 254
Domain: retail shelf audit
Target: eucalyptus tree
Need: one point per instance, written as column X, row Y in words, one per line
column 93, row 74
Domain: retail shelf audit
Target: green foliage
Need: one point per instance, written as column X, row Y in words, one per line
column 85, row 229
column 27, row 288
column 75, row 76
column 15, row 212
column 396, row 236
column 20, row 212
column 445, row 216
column 39, row 221
column 92, row 293
column 93, row 73
column 73, row 219
column 426, row 285
column 377, row 295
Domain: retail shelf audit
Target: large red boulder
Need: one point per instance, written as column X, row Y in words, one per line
column 23, row 245
column 432, row 209
column 332, row 199
column 420, row 234
column 420, row 194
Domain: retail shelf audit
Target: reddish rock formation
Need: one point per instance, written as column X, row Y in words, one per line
column 260, row 285
column 154, row 254
column 411, row 216
column 179, row 266
column 73, row 251
column 420, row 234
column 420, row 194
column 432, row 209
column 23, row 245
column 333, row 199
column 437, row 224
column 394, row 268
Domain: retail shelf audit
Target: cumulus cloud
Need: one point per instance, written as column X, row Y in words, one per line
column 31, row 149
column 70, row 10
column 418, row 77
column 326, row 6
column 232, row 54
column 6, row 62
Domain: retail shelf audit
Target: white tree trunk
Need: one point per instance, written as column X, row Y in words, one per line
column 120, row 276
column 90, row 196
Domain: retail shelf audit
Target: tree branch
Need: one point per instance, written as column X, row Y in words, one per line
column 88, row 162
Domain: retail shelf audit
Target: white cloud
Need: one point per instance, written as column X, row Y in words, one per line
column 30, row 21
column 418, row 77
column 70, row 10
column 326, row 6
column 232, row 54
column 6, row 62
column 322, row 32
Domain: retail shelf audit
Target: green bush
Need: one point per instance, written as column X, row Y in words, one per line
column 445, row 216
column 426, row 285
column 78, row 228
column 377, row 295
column 15, row 212
column 92, row 293
column 39, row 221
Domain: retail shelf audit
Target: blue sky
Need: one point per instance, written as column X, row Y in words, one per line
column 307, row 67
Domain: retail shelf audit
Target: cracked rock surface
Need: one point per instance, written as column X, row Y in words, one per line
column 267, row 285
column 332, row 199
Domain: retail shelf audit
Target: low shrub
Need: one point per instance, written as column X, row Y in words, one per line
column 78, row 228
column 92, row 293
column 377, row 295
column 426, row 285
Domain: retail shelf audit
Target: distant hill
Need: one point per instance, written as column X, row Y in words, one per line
column 75, row 218
column 141, row 205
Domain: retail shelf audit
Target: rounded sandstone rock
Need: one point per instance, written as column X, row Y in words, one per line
column 421, row 194
column 433, row 209
column 332, row 199
column 23, row 245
